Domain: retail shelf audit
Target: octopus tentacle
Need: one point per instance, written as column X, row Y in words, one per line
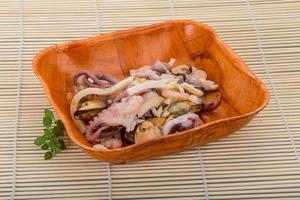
column 108, row 77
column 87, row 79
column 161, row 67
column 98, row 129
column 92, row 137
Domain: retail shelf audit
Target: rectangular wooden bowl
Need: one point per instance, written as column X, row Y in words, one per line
column 116, row 53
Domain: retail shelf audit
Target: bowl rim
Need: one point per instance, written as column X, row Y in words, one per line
column 36, row 64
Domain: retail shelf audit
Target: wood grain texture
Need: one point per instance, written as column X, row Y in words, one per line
column 118, row 52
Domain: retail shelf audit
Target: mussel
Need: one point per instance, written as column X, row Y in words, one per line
column 146, row 131
column 89, row 109
column 176, row 108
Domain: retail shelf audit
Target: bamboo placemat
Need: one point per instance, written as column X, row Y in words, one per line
column 261, row 161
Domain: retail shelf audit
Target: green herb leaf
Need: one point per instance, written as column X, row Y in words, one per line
column 40, row 140
column 47, row 121
column 49, row 113
column 54, row 144
column 58, row 131
column 62, row 145
column 60, row 125
column 51, row 140
column 47, row 133
column 48, row 155
column 45, row 146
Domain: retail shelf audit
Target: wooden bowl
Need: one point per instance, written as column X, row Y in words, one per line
column 116, row 53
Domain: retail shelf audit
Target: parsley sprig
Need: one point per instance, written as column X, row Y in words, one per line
column 51, row 139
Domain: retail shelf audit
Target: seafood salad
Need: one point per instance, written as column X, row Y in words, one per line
column 152, row 102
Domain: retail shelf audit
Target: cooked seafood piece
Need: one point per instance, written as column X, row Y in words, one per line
column 182, row 70
column 89, row 109
column 85, row 79
column 198, row 79
column 146, row 131
column 144, row 72
column 182, row 123
column 161, row 67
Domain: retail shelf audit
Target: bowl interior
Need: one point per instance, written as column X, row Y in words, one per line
column 116, row 53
